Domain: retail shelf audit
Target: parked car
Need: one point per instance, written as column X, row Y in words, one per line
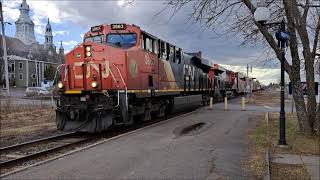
column 36, row 91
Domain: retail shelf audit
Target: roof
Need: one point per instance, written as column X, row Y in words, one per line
column 38, row 52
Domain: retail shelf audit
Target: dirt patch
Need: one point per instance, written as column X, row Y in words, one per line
column 21, row 126
column 255, row 164
column 284, row 171
column 265, row 98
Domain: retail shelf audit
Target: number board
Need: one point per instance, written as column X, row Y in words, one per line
column 96, row 28
column 118, row 26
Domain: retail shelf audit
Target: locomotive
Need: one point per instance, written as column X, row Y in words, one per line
column 121, row 74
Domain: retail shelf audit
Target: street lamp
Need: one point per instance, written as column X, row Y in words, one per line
column 5, row 58
column 262, row 15
column 5, row 23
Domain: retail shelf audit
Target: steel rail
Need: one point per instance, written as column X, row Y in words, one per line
column 10, row 163
column 12, row 147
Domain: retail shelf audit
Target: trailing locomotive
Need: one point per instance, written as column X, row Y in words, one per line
column 121, row 74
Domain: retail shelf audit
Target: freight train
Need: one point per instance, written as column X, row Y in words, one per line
column 121, row 74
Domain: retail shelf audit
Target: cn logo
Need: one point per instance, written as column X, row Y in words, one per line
column 95, row 67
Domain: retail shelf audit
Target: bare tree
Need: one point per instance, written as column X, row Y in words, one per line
column 303, row 23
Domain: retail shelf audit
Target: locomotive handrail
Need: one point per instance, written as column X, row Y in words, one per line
column 126, row 88
column 120, row 75
column 114, row 78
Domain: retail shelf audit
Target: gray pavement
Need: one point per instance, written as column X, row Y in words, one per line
column 312, row 163
column 162, row 152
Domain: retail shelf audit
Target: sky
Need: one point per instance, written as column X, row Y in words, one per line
column 71, row 19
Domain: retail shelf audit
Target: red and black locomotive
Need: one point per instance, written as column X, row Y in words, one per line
column 121, row 74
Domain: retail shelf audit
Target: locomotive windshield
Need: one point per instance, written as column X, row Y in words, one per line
column 122, row 40
column 96, row 39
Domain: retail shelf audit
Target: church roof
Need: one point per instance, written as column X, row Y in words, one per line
column 38, row 52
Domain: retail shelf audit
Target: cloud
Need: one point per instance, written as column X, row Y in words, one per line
column 10, row 11
column 177, row 30
column 69, row 43
column 62, row 32
column 264, row 75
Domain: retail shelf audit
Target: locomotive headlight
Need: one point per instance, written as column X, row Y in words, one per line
column 88, row 53
column 94, row 84
column 60, row 85
column 88, row 48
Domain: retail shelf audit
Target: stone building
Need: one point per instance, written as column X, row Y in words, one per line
column 27, row 59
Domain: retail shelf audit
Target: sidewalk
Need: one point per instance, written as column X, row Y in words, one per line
column 311, row 163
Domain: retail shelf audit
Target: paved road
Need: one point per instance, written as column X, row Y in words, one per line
column 162, row 151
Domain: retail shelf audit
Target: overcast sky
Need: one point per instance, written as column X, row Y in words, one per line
column 70, row 19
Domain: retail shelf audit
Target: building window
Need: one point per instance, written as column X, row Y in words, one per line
column 11, row 67
column 20, row 76
column 33, row 84
column 33, row 76
column 20, row 65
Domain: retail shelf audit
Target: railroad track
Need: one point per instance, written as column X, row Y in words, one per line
column 16, row 155
column 25, row 154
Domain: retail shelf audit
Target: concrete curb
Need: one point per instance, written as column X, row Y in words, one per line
column 267, row 176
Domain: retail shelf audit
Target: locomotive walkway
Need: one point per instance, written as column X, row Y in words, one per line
column 204, row 144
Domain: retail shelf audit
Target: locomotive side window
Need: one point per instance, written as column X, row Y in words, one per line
column 143, row 42
column 149, row 44
column 122, row 40
column 97, row 39
column 168, row 51
column 172, row 54
column 163, row 50
column 178, row 55
column 155, row 47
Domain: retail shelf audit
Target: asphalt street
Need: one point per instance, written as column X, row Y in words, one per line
column 164, row 151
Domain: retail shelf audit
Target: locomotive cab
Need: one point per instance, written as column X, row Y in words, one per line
column 93, row 75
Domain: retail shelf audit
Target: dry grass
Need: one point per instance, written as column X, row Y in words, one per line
column 266, row 136
column 265, row 98
column 256, row 164
column 284, row 171
column 298, row 143
column 19, row 126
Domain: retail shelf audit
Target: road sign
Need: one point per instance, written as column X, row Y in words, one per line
column 303, row 86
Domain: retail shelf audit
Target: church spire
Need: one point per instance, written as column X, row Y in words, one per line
column 24, row 25
column 61, row 49
column 48, row 37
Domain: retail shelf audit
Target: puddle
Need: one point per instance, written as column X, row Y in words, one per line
column 191, row 130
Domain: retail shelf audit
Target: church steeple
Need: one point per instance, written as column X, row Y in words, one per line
column 24, row 25
column 48, row 38
column 61, row 49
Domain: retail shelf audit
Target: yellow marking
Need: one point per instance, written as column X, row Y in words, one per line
column 72, row 92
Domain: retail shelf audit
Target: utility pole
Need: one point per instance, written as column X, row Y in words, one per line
column 5, row 58
column 247, row 81
column 282, row 124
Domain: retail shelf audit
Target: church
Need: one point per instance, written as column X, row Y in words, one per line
column 27, row 58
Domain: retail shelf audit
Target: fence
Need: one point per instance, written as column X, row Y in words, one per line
column 18, row 104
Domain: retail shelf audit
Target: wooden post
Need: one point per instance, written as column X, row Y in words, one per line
column 243, row 104
column 211, row 101
column 226, row 103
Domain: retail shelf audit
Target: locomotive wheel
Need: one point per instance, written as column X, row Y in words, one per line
column 61, row 118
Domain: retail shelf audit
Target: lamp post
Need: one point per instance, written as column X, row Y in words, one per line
column 262, row 15
column 5, row 58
